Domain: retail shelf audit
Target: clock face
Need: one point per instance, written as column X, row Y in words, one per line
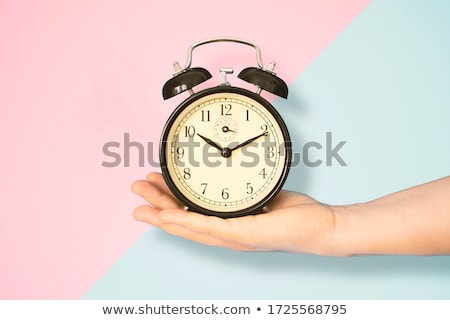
column 225, row 151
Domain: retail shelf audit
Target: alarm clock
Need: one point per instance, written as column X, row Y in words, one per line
column 225, row 151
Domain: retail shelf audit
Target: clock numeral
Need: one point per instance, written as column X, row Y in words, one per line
column 264, row 127
column 249, row 188
column 247, row 117
column 225, row 194
column 205, row 115
column 263, row 173
column 225, row 109
column 270, row 152
column 189, row 131
column 187, row 173
column 180, row 152
column 204, row 185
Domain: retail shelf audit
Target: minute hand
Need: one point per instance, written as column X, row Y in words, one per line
column 249, row 141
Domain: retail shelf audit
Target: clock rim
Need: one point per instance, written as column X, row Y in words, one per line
column 256, row 208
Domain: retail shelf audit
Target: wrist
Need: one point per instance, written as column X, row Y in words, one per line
column 348, row 237
column 330, row 240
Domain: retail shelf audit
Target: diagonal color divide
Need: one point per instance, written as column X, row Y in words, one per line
column 76, row 75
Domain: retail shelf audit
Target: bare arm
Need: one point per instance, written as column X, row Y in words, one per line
column 414, row 221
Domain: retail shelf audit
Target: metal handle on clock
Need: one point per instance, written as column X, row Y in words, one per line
column 263, row 78
column 236, row 40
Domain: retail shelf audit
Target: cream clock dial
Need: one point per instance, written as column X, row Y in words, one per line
column 225, row 151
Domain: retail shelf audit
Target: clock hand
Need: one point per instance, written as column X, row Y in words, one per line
column 265, row 133
column 226, row 129
column 210, row 142
column 224, row 152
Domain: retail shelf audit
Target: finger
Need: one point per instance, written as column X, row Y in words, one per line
column 238, row 232
column 157, row 179
column 152, row 216
column 154, row 195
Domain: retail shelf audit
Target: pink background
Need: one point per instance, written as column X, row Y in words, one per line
column 75, row 75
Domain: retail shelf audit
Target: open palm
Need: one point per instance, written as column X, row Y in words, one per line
column 295, row 223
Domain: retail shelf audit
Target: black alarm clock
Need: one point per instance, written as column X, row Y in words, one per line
column 225, row 150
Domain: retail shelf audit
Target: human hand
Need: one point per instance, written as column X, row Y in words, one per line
column 295, row 223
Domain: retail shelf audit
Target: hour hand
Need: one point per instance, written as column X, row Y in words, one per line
column 210, row 142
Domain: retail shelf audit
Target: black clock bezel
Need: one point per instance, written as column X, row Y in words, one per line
column 254, row 209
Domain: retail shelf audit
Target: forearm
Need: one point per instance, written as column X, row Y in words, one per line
column 414, row 221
